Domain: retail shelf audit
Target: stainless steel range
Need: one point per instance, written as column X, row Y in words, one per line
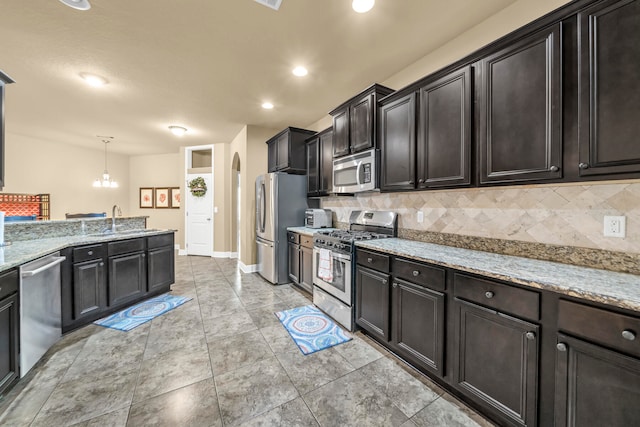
column 333, row 271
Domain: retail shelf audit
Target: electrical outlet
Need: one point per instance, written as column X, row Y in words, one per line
column 615, row 226
column 420, row 216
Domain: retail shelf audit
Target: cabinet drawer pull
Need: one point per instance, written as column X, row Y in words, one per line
column 554, row 168
column 583, row 165
column 90, row 253
column 489, row 294
column 561, row 346
column 530, row 335
column 144, row 255
column 416, row 273
column 628, row 335
column 101, row 264
column 369, row 260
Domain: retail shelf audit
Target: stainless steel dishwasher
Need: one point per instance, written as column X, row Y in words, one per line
column 40, row 311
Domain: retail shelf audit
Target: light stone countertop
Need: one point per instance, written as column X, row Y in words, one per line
column 18, row 253
column 607, row 287
column 307, row 231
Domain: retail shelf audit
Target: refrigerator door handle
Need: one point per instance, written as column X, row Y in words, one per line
column 264, row 208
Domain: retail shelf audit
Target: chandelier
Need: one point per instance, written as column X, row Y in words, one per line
column 106, row 180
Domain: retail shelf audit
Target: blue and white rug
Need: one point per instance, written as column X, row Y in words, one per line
column 138, row 314
column 311, row 329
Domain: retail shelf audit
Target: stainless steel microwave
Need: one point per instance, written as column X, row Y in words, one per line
column 356, row 172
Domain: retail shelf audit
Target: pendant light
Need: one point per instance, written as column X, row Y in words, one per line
column 78, row 4
column 106, row 180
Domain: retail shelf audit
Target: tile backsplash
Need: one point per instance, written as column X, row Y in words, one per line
column 566, row 215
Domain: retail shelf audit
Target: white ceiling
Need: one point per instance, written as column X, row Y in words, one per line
column 205, row 64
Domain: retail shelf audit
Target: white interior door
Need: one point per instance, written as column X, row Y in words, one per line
column 199, row 212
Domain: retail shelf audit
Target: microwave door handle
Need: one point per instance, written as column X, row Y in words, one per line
column 358, row 167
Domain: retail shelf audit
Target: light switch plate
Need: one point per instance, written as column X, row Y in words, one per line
column 615, row 226
column 420, row 216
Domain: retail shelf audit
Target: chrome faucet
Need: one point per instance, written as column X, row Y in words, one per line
column 113, row 217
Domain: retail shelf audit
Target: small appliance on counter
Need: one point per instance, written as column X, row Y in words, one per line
column 318, row 218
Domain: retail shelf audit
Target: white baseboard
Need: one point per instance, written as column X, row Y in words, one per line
column 181, row 252
column 222, row 255
column 247, row 268
column 233, row 254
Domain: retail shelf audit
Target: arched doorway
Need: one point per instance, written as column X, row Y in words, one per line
column 235, row 206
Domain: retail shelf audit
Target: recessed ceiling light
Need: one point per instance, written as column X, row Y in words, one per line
column 267, row 105
column 93, row 80
column 178, row 130
column 300, row 71
column 362, row 6
column 77, row 4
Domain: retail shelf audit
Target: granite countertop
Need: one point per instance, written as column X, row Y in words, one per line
column 617, row 289
column 307, row 231
column 18, row 253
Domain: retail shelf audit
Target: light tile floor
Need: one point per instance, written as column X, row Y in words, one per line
column 223, row 359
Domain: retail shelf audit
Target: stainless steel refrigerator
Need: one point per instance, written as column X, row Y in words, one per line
column 281, row 200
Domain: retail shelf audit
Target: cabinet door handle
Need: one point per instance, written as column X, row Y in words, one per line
column 415, row 273
column 384, row 281
column 561, row 346
column 628, row 335
column 530, row 335
column 395, row 285
column 411, row 182
column 554, row 168
column 583, row 165
column 369, row 260
column 144, row 255
column 489, row 294
column 421, row 181
column 101, row 264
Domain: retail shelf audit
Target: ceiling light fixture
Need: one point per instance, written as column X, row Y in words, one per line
column 300, row 71
column 267, row 106
column 93, row 79
column 362, row 6
column 178, row 130
column 77, row 4
column 106, row 181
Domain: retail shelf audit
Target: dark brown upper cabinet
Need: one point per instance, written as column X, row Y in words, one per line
column 434, row 150
column 609, row 95
column 444, row 137
column 287, row 151
column 320, row 164
column 4, row 80
column 398, row 144
column 519, row 110
column 355, row 121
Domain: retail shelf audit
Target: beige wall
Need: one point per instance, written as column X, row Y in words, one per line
column 161, row 170
column 67, row 173
column 496, row 26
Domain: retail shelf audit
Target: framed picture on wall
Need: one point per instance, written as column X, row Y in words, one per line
column 162, row 197
column 146, row 197
column 175, row 197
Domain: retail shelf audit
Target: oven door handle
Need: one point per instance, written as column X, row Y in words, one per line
column 335, row 255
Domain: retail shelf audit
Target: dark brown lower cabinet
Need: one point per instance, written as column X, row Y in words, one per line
column 160, row 267
column 372, row 302
column 127, row 278
column 595, row 386
column 9, row 341
column 418, row 317
column 496, row 362
column 294, row 262
column 89, row 288
column 306, row 268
